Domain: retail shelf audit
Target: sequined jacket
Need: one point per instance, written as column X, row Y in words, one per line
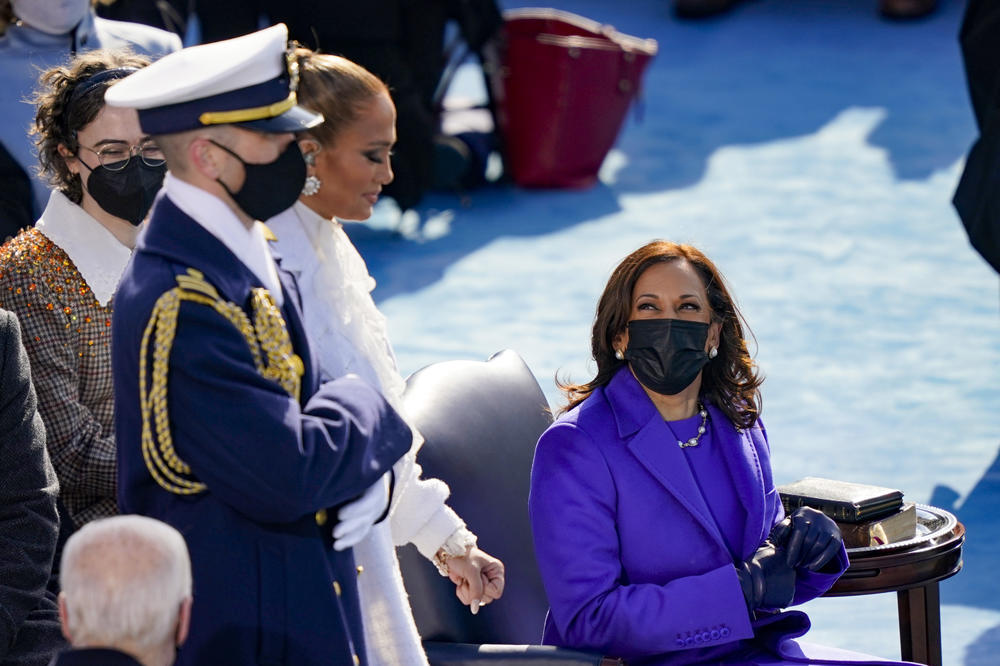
column 67, row 331
column 244, row 459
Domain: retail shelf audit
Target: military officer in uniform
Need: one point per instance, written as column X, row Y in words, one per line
column 224, row 430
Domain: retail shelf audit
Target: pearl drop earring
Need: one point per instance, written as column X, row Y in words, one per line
column 713, row 352
column 312, row 183
column 619, row 355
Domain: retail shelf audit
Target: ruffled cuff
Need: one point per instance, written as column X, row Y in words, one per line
column 437, row 531
column 459, row 544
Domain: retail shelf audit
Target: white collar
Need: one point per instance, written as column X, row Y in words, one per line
column 97, row 254
column 312, row 218
column 249, row 245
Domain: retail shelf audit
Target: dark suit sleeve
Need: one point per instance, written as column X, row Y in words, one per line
column 16, row 198
column 252, row 443
column 29, row 523
column 977, row 198
column 980, row 40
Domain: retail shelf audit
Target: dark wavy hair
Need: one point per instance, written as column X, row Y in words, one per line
column 730, row 381
column 57, row 120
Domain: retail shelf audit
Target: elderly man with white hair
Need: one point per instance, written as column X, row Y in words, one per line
column 126, row 593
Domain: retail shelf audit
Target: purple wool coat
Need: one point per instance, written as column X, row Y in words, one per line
column 633, row 563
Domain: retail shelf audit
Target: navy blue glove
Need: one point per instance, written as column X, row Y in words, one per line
column 768, row 581
column 810, row 538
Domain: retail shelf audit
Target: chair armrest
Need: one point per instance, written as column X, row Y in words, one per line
column 472, row 654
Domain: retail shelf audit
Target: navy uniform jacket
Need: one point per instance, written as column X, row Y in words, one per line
column 268, row 587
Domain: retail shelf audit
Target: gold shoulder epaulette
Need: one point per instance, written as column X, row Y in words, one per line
column 266, row 337
column 195, row 281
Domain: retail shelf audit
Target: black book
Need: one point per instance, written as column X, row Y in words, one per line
column 841, row 500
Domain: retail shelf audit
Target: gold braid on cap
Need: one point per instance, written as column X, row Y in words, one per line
column 270, row 347
column 246, row 115
column 260, row 112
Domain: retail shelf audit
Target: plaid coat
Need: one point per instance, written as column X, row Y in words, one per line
column 67, row 335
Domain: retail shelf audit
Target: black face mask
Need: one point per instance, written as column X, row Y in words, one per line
column 269, row 188
column 666, row 354
column 128, row 193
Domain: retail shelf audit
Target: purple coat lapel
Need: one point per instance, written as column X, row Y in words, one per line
column 646, row 436
column 748, row 472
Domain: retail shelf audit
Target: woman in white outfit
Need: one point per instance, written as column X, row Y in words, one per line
column 348, row 164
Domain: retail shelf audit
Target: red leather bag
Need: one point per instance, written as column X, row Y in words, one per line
column 561, row 94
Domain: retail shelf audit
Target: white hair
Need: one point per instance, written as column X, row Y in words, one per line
column 124, row 580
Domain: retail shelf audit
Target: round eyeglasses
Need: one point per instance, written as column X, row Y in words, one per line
column 115, row 155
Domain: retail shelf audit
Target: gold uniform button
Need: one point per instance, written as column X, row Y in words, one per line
column 336, row 587
column 361, row 569
column 321, row 517
column 357, row 662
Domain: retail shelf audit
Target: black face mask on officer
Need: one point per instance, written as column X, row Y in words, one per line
column 127, row 193
column 269, row 188
column 666, row 354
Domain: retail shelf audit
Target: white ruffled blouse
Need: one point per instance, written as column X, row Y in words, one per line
column 348, row 335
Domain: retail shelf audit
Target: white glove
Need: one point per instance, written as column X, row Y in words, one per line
column 355, row 520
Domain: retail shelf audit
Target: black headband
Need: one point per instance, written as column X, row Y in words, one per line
column 97, row 79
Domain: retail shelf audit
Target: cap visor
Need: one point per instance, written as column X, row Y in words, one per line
column 295, row 119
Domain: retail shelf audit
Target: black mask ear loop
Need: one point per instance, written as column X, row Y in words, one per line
column 219, row 180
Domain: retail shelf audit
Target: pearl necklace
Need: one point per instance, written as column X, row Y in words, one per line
column 696, row 440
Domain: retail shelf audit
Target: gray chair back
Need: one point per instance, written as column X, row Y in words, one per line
column 480, row 421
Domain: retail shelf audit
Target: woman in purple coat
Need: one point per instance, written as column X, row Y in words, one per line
column 658, row 531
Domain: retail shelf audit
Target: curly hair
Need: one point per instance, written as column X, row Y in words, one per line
column 730, row 381
column 60, row 115
column 337, row 88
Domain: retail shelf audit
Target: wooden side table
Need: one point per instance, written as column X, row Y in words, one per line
column 912, row 569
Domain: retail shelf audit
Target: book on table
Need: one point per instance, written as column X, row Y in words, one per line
column 896, row 527
column 843, row 501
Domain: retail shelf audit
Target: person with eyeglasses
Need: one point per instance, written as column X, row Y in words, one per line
column 60, row 275
column 36, row 35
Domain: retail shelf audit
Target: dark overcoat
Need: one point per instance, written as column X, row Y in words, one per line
column 29, row 522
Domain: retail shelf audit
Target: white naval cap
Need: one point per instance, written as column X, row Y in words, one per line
column 248, row 81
